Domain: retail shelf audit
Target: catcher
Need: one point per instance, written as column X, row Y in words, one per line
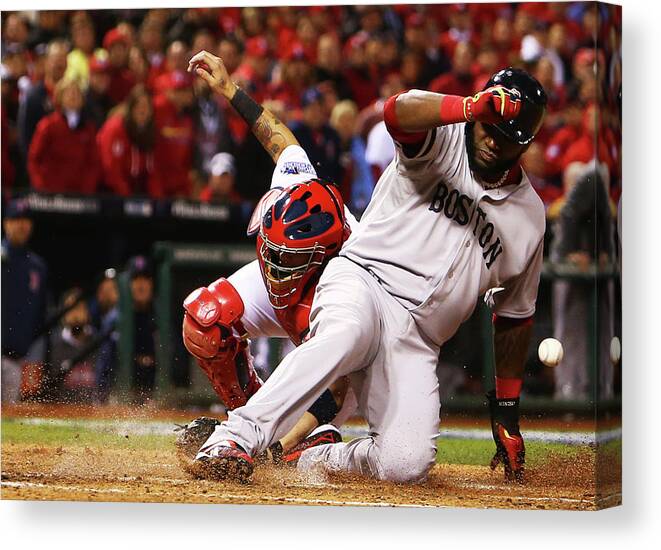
column 300, row 224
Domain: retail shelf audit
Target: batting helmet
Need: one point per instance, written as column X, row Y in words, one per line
column 525, row 126
column 303, row 228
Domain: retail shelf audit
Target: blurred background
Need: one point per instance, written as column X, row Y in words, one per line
column 125, row 184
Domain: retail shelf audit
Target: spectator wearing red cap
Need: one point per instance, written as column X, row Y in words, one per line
column 121, row 80
column 175, row 134
column 63, row 156
column 460, row 29
column 252, row 73
column 97, row 99
column 126, row 147
column 320, row 141
column 421, row 38
column 364, row 89
column 296, row 75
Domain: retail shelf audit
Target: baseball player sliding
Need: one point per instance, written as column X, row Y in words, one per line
column 308, row 223
column 453, row 217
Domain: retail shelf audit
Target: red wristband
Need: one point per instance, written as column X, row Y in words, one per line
column 452, row 110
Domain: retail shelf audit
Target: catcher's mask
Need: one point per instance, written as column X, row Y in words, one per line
column 302, row 228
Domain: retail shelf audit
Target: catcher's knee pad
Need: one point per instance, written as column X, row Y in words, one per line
column 214, row 334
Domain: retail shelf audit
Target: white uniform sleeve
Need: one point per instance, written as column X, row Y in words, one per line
column 443, row 146
column 380, row 149
column 518, row 299
column 293, row 166
column 258, row 317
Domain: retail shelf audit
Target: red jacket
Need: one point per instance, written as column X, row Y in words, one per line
column 450, row 83
column 174, row 148
column 62, row 160
column 126, row 169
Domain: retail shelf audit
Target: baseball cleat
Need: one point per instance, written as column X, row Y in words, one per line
column 512, row 453
column 326, row 434
column 226, row 460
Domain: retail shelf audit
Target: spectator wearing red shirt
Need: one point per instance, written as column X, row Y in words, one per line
column 504, row 43
column 37, row 101
column 150, row 38
column 460, row 29
column 63, row 157
column 459, row 81
column 567, row 133
column 229, row 50
column 364, row 89
column 329, row 65
column 121, row 79
column 296, row 78
column 176, row 59
column 126, row 148
column 420, row 38
column 175, row 133
column 594, row 142
column 557, row 98
column 252, row 73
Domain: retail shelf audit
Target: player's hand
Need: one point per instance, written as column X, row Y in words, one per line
column 493, row 105
column 212, row 69
column 510, row 449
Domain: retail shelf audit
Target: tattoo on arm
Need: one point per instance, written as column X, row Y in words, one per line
column 273, row 134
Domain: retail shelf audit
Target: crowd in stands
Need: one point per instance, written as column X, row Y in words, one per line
column 100, row 101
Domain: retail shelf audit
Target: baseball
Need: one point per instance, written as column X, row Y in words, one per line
column 550, row 352
column 616, row 350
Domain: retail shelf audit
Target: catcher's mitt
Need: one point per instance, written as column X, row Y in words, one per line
column 190, row 438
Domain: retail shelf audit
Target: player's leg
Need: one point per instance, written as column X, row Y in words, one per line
column 345, row 334
column 400, row 399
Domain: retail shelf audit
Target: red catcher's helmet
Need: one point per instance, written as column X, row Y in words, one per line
column 302, row 229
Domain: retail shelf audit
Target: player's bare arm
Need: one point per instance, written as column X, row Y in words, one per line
column 419, row 111
column 511, row 341
column 271, row 132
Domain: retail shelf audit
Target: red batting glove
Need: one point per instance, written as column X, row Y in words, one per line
column 493, row 105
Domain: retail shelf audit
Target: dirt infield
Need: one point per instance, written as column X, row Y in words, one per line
column 65, row 471
column 79, row 473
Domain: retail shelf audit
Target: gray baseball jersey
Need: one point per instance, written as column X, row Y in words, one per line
column 436, row 239
column 433, row 240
